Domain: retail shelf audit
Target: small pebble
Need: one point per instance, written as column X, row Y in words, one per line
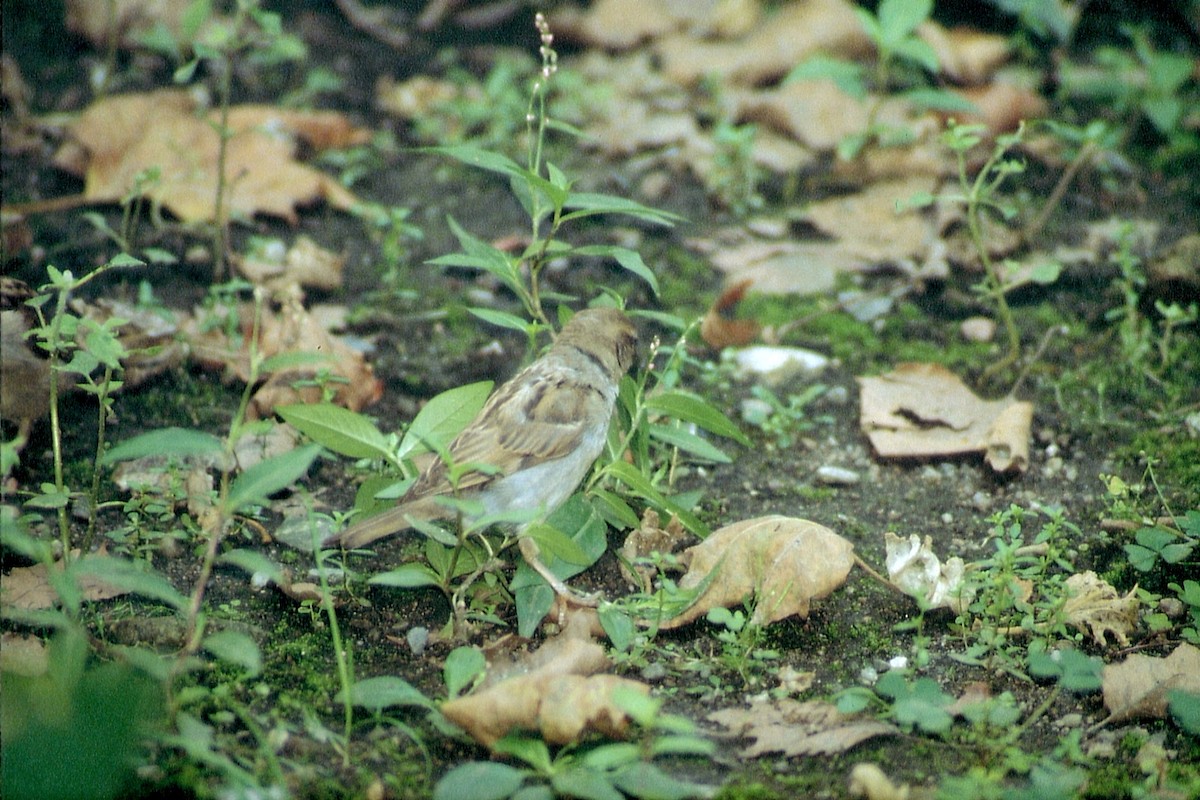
column 977, row 329
column 981, row 501
column 947, row 518
column 768, row 227
column 755, row 411
column 837, row 476
column 653, row 672
column 1171, row 606
column 837, row 396
column 898, row 662
column 776, row 364
column 417, row 638
column 1069, row 721
column 868, row 675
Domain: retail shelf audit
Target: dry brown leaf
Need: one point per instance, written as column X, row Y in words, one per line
column 776, row 267
column 1138, row 686
column 118, row 137
column 779, row 42
column 149, row 337
column 127, row 21
column 23, row 655
column 289, row 331
column 29, row 588
column 553, row 690
column 783, row 562
column 562, row 708
column 1097, row 608
column 1002, row 106
column 966, row 55
column 305, row 263
column 868, row 226
column 815, row 112
column 922, row 410
column 871, row 782
column 796, row 729
column 916, row 570
column 719, row 331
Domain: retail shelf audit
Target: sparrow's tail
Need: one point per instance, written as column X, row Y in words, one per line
column 370, row 529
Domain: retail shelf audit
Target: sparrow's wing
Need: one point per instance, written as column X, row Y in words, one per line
column 537, row 416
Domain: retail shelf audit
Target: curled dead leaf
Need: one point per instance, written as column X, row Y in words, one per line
column 718, row 330
column 796, row 728
column 921, row 410
column 1097, row 608
column 916, row 570
column 784, row 563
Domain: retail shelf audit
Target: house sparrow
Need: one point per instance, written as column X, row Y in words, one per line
column 24, row 367
column 539, row 433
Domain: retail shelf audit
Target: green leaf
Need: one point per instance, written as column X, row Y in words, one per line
column 690, row 408
column 501, row 319
column 340, row 429
column 407, row 576
column 898, row 18
column 479, row 780
column 236, row 648
column 585, row 784
column 589, row 204
column 474, row 156
column 553, row 543
column 641, row 486
column 629, row 260
column 376, row 694
column 530, row 749
column 614, row 509
column 180, row 442
column 254, row 562
column 941, row 100
column 125, row 574
column 846, row 75
column 463, row 665
column 676, row 436
column 1141, row 558
column 444, row 417
column 1185, row 708
column 647, row 781
column 618, row 625
column 267, row 477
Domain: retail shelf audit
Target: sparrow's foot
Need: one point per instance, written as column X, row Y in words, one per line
column 566, row 598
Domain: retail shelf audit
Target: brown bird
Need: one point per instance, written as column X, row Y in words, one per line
column 538, row 434
column 24, row 367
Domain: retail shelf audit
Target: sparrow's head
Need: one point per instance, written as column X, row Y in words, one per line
column 606, row 335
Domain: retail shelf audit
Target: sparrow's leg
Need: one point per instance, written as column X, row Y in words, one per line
column 532, row 555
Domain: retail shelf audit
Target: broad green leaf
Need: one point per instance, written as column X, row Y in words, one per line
column 267, row 477
column 898, row 18
column 501, row 319
column 443, row 417
column 376, row 694
column 479, row 780
column 463, row 665
column 127, row 575
column 586, row 784
column 640, row 485
column 588, row 204
column 407, row 576
column 474, row 156
column 643, row 779
column 340, row 429
column 254, row 562
column 689, row 442
column 630, row 260
column 236, row 648
column 554, row 543
column 181, row 442
column 690, row 408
